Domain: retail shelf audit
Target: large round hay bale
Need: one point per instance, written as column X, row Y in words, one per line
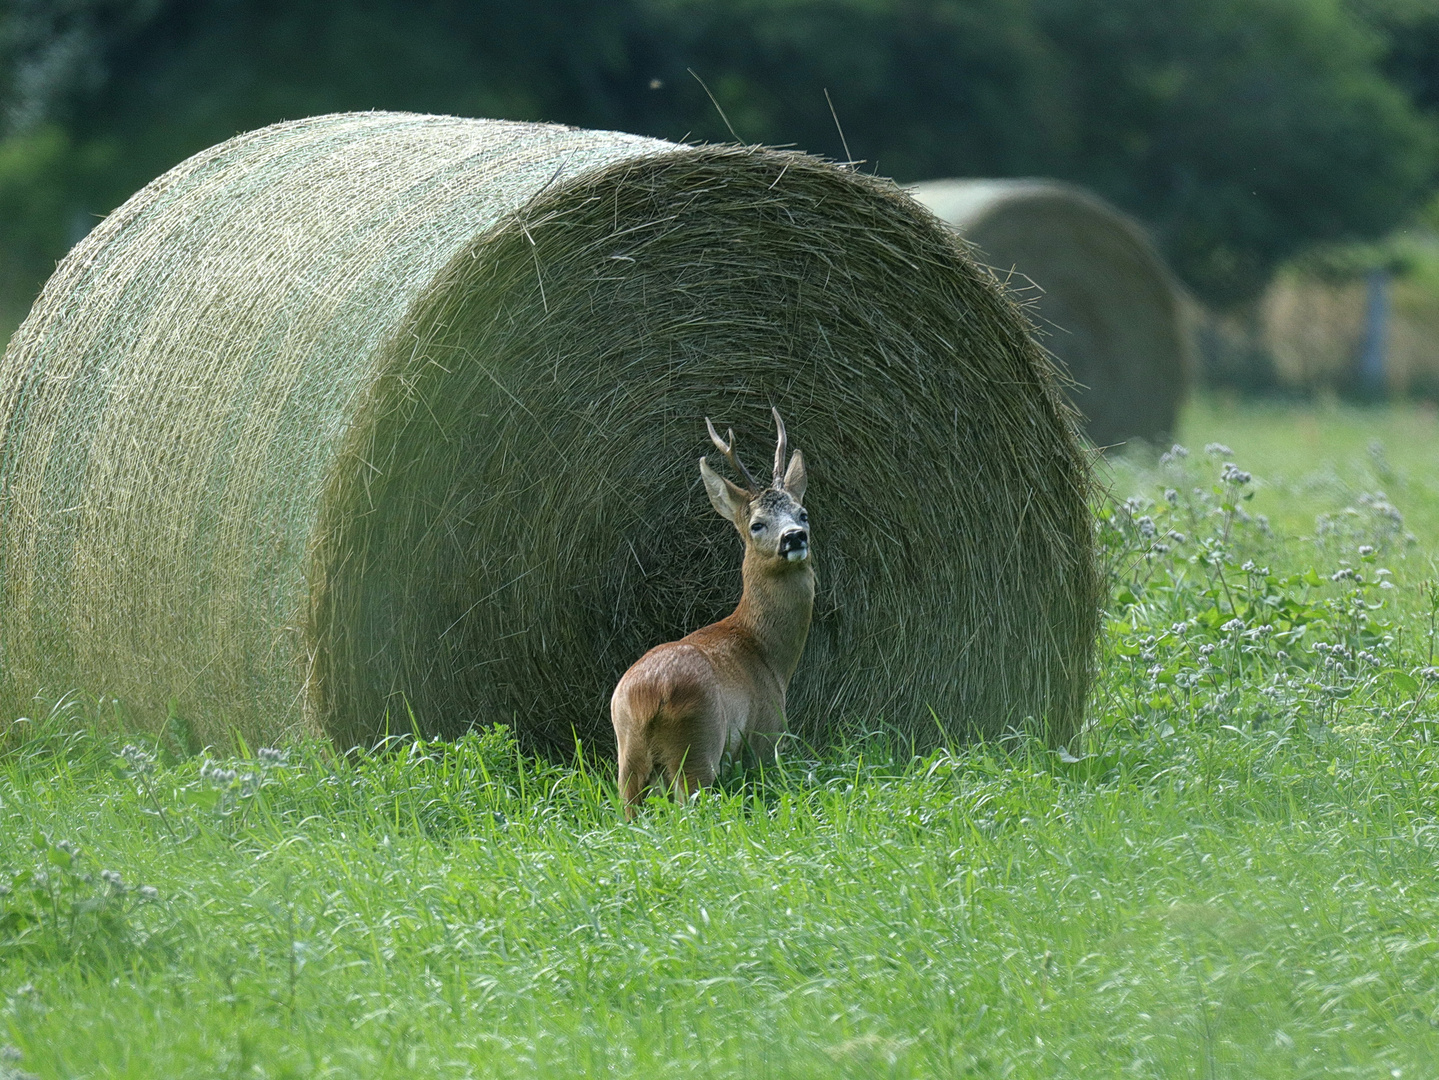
column 1105, row 301
column 377, row 415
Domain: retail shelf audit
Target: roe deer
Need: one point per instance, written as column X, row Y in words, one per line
column 686, row 704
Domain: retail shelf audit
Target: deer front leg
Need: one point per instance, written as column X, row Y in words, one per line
column 764, row 728
column 760, row 746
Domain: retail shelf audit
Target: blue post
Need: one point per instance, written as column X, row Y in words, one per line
column 1374, row 343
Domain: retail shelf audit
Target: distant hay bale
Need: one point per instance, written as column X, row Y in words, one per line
column 1313, row 328
column 1108, row 304
column 372, row 414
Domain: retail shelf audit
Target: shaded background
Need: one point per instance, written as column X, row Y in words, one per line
column 1251, row 136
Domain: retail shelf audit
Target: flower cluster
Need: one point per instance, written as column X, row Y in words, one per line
column 226, row 789
column 1369, row 527
column 137, row 762
column 1204, row 628
column 58, row 908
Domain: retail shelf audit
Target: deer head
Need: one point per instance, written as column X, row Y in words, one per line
column 772, row 521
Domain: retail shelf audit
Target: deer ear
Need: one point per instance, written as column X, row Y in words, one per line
column 730, row 501
column 795, row 478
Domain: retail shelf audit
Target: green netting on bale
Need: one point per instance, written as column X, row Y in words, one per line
column 1105, row 302
column 374, row 415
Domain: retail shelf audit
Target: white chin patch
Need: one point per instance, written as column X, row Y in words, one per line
column 797, row 554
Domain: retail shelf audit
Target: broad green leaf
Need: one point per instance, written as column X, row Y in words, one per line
column 1405, row 682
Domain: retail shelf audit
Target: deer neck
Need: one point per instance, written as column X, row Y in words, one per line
column 775, row 609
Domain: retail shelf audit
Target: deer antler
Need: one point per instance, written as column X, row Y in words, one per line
column 781, row 450
column 727, row 449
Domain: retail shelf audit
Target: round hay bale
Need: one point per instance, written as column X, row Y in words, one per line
column 1108, row 302
column 372, row 416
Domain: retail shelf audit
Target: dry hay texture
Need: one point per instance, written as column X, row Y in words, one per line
column 1105, row 301
column 376, row 415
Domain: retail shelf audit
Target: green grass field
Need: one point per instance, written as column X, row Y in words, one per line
column 1236, row 874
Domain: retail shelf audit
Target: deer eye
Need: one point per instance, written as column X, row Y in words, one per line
column 756, row 527
column 803, row 518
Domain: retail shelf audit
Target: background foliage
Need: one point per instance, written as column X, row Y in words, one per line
column 1241, row 130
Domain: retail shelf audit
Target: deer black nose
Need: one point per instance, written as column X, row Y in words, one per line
column 793, row 540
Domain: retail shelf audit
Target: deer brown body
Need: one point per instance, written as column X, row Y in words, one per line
column 685, row 705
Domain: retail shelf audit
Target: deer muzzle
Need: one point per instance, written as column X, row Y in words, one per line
column 794, row 545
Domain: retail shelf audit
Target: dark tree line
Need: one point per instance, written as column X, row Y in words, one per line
column 1239, row 130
